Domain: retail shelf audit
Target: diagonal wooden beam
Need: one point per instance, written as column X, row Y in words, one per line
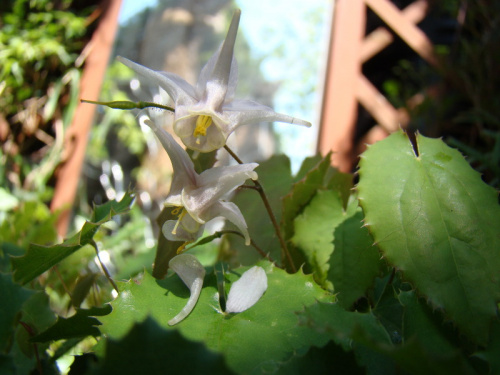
column 378, row 106
column 380, row 38
column 410, row 33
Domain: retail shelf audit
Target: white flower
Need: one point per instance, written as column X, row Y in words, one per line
column 192, row 273
column 245, row 292
column 197, row 198
column 207, row 114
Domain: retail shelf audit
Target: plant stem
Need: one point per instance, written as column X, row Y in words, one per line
column 105, row 270
column 260, row 189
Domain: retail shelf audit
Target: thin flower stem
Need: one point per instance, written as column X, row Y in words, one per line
column 105, row 270
column 284, row 249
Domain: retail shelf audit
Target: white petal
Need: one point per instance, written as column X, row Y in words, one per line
column 184, row 173
column 231, row 212
column 213, row 184
column 245, row 292
column 192, row 273
column 175, row 86
column 243, row 112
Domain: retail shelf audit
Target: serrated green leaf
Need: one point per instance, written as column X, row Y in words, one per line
column 355, row 262
column 314, row 230
column 82, row 324
column 360, row 332
column 436, row 221
column 492, row 352
column 275, row 177
column 160, row 351
column 254, row 340
column 39, row 259
column 13, row 297
column 344, row 327
column 427, row 330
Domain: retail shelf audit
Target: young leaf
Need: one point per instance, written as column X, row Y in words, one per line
column 39, row 259
column 301, row 193
column 436, row 221
column 314, row 230
column 355, row 262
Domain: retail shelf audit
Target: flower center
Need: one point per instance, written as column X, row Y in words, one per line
column 202, row 124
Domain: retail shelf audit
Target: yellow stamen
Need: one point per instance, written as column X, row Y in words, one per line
column 202, row 124
column 176, row 210
column 174, row 231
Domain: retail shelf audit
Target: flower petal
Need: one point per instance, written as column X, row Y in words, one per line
column 192, row 273
column 175, row 86
column 184, row 173
column 243, row 112
column 213, row 184
column 246, row 291
column 231, row 212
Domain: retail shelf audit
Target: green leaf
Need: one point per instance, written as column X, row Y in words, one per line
column 344, row 327
column 257, row 339
column 80, row 325
column 39, row 259
column 13, row 297
column 436, row 221
column 150, row 349
column 432, row 346
column 492, row 352
column 275, row 177
column 355, row 262
column 314, row 230
column 360, row 332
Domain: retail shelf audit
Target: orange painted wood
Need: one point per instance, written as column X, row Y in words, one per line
column 68, row 175
column 339, row 101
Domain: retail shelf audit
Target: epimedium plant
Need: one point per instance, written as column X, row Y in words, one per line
column 396, row 274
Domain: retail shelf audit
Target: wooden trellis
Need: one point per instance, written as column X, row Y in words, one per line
column 346, row 86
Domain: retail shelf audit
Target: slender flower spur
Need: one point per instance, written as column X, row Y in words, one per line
column 207, row 114
column 197, row 198
column 191, row 272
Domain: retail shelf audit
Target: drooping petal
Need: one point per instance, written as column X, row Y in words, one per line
column 215, row 183
column 184, row 173
column 192, row 273
column 231, row 212
column 247, row 290
column 175, row 86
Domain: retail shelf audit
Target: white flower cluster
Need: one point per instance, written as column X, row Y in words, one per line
column 204, row 117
